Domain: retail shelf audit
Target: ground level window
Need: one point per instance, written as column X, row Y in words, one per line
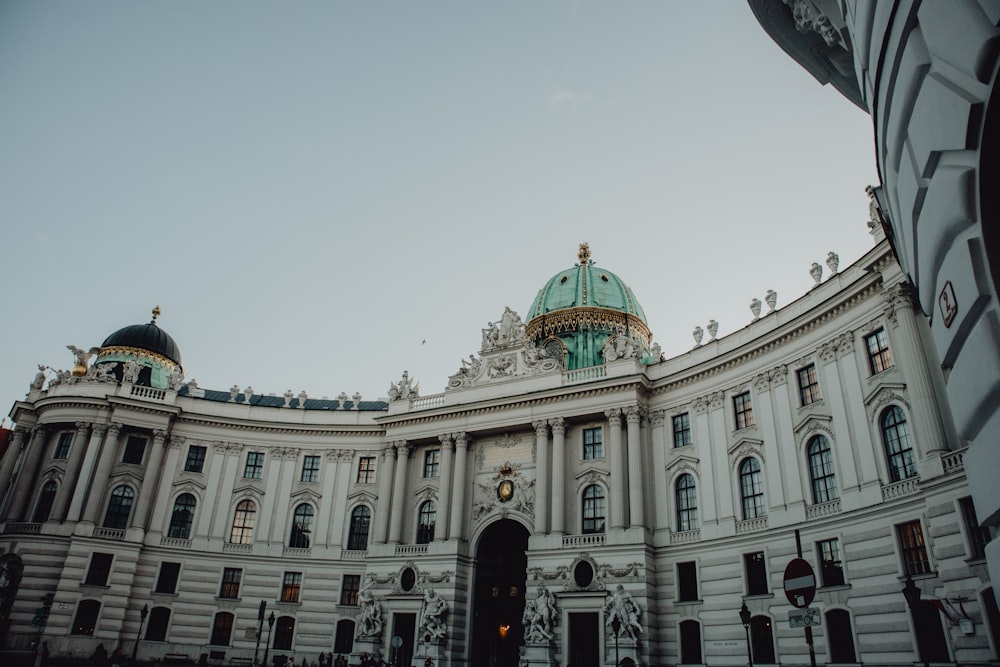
column 690, row 632
column 222, row 629
column 86, row 618
column 156, row 626
column 343, row 642
column 284, row 631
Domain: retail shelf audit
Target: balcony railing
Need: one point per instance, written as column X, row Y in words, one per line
column 589, row 540
column 897, row 489
column 237, row 548
column 823, row 509
column 148, row 392
column 751, row 525
column 423, row 402
column 953, row 461
column 175, row 542
column 410, row 549
column 23, row 528
column 685, row 536
column 585, row 374
column 109, row 533
column 353, row 555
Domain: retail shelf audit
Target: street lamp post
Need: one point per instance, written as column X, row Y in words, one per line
column 745, row 619
column 260, row 628
column 912, row 594
column 267, row 647
column 142, row 619
column 616, row 625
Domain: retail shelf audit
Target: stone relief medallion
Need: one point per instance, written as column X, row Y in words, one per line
column 505, row 490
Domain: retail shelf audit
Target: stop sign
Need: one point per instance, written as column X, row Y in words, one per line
column 800, row 583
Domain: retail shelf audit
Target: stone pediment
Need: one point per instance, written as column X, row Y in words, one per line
column 883, row 395
column 745, row 446
column 307, row 495
column 815, row 422
column 188, row 486
column 248, row 489
column 362, row 495
column 685, row 461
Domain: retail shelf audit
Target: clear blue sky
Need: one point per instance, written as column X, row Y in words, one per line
column 310, row 190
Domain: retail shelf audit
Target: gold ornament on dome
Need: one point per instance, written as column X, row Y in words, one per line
column 139, row 353
column 588, row 317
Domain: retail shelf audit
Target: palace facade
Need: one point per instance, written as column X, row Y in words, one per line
column 572, row 496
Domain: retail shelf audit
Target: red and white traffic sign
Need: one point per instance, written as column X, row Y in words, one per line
column 800, row 583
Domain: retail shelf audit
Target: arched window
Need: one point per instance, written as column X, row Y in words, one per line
column 344, row 639
column 119, row 508
column 751, row 489
column 593, row 509
column 301, row 526
column 840, row 639
column 47, row 496
column 357, row 539
column 762, row 640
column 896, row 438
column 284, row 631
column 243, row 522
column 690, row 642
column 222, row 629
column 425, row 522
column 182, row 516
column 86, row 617
column 687, row 503
column 156, row 627
column 824, row 482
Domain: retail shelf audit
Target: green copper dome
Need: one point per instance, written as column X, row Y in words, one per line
column 582, row 307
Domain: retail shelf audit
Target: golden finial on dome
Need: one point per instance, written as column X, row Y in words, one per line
column 584, row 254
column 156, row 313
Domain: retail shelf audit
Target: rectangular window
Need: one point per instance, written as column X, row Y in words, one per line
column 62, row 447
column 687, row 581
column 99, row 570
column 167, row 581
column 756, row 572
column 911, row 541
column 349, row 590
column 831, row 568
column 310, row 468
column 593, row 443
column 743, row 410
column 878, row 352
column 230, row 588
column 431, row 462
column 808, row 385
column 195, row 461
column 682, row 430
column 291, row 587
column 979, row 537
column 135, row 447
column 366, row 470
column 254, row 468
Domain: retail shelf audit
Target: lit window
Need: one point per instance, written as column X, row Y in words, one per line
column 808, row 385
column 243, row 522
column 310, row 468
column 831, row 568
column 979, row 537
column 119, row 508
column 824, row 482
column 743, row 410
column 431, row 462
column 195, row 461
column 911, row 541
column 254, row 468
column 593, row 509
column 349, row 590
column 47, row 496
column 222, row 629
column 687, row 503
column 682, row 430
column 756, row 573
column 291, row 587
column 366, row 470
column 230, row 588
column 593, row 443
column 427, row 519
column 62, row 447
column 878, row 352
column 896, row 439
column 166, row 582
column 182, row 517
column 357, row 539
column 751, row 489
column 301, row 526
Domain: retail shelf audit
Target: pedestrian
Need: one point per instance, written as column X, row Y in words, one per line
column 100, row 656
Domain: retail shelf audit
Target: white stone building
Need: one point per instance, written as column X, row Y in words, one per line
column 570, row 487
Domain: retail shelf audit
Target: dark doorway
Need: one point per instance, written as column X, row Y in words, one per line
column 839, row 636
column 584, row 640
column 404, row 626
column 762, row 639
column 501, row 573
column 930, row 634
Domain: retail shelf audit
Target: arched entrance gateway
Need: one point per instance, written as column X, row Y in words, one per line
column 498, row 595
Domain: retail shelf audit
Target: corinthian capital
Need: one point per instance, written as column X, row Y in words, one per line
column 614, row 416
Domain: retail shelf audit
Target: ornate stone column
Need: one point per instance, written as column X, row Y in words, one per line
column 726, row 508
column 220, row 496
column 149, row 480
column 662, row 517
column 10, row 457
column 32, row 460
column 77, row 452
column 444, row 488
column 558, row 475
column 636, row 495
column 775, row 479
column 84, row 477
column 403, row 451
column 339, row 506
column 384, row 471
column 162, row 501
column 95, row 502
column 708, row 512
column 542, row 476
column 458, row 488
column 616, row 456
